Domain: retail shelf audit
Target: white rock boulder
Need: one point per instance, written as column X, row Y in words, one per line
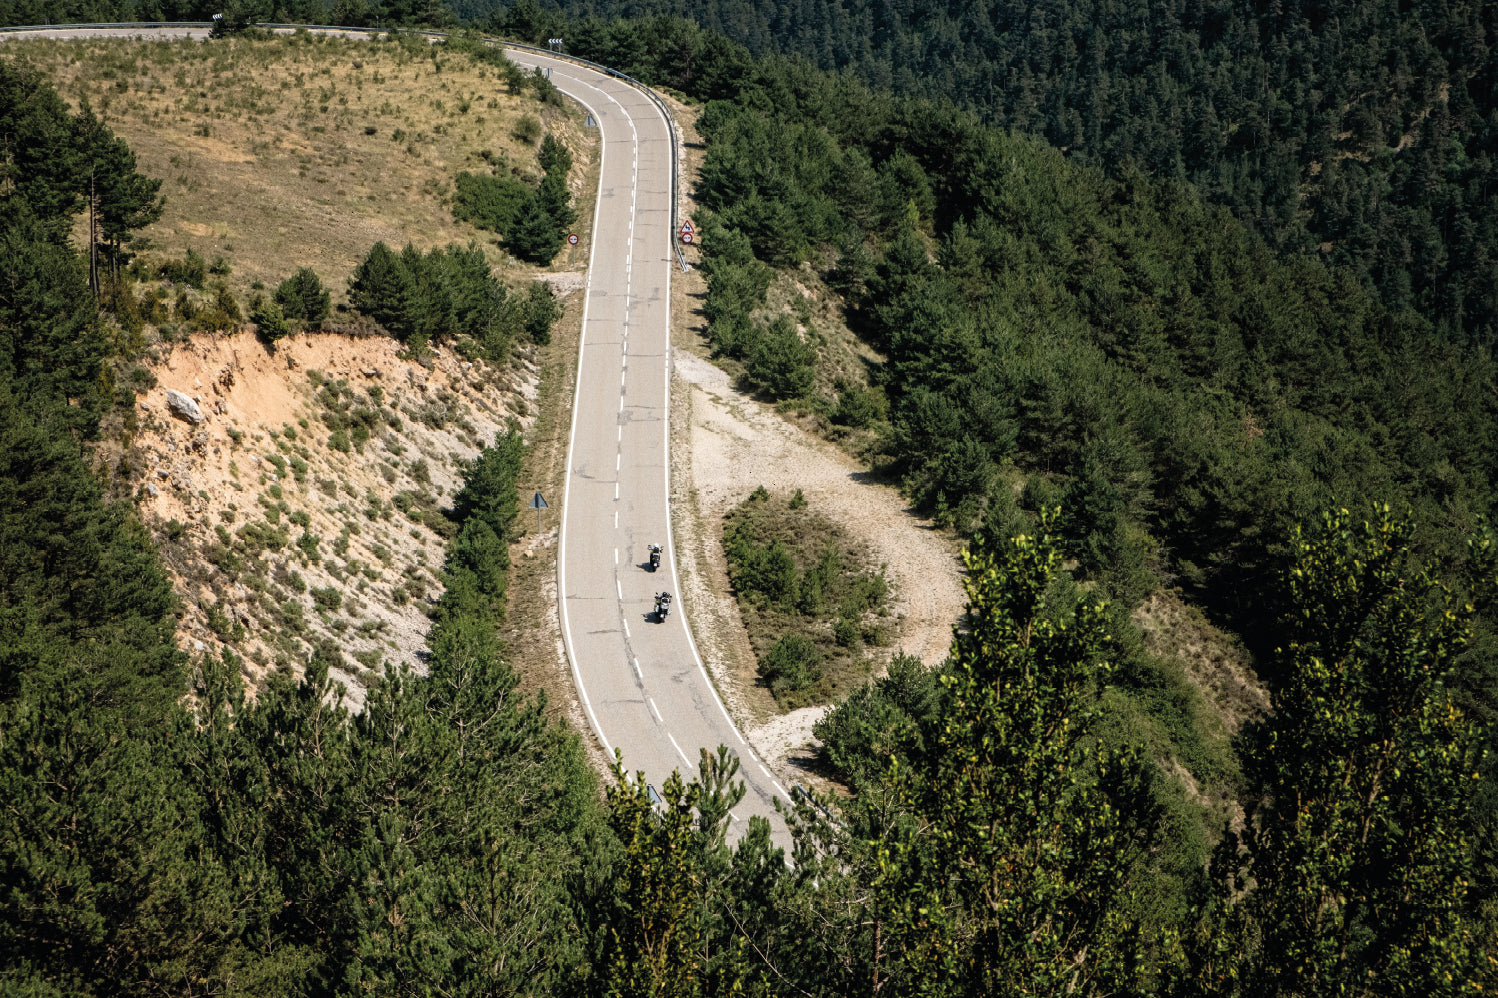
column 185, row 407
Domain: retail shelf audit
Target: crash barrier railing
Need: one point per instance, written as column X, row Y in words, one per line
column 442, row 35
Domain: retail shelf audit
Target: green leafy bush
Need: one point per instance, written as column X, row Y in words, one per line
column 191, row 270
column 528, row 129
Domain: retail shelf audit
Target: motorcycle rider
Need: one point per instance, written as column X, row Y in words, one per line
column 662, row 604
column 655, row 556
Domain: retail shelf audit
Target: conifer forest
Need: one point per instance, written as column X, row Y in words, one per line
column 1192, row 298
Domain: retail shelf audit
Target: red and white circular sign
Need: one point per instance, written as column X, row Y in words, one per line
column 572, row 238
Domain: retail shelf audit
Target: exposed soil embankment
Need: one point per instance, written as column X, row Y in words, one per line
column 306, row 506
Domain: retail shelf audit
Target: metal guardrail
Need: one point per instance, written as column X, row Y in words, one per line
column 442, row 35
column 110, row 24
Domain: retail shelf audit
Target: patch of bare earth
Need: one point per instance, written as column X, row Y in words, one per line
column 259, row 466
column 1216, row 664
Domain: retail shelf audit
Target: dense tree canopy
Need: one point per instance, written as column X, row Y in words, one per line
column 1363, row 133
column 1204, row 409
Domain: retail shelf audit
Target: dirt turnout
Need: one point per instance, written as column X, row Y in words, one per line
column 724, row 446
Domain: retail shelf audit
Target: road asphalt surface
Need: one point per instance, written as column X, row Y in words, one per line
column 640, row 679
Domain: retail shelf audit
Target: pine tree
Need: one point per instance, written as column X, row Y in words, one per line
column 303, row 298
column 675, row 926
column 38, row 158
column 384, row 290
column 52, row 346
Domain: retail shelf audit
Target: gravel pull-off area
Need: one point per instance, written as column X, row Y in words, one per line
column 725, row 445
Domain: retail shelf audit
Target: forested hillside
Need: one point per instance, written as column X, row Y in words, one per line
column 1189, row 395
column 1109, row 385
column 1363, row 133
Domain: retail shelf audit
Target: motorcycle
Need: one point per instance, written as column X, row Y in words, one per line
column 662, row 606
column 655, row 557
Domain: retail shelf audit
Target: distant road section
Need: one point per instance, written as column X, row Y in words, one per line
column 640, row 679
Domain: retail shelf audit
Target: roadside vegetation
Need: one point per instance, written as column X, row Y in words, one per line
column 810, row 603
column 310, row 148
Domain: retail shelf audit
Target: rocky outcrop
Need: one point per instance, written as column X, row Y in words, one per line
column 183, row 405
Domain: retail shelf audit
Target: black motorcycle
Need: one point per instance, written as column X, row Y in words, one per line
column 655, row 557
column 662, row 606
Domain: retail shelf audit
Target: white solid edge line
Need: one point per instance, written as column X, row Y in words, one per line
column 582, row 342
column 679, row 751
column 666, row 432
column 670, row 533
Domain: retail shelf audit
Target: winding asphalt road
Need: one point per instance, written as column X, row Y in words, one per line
column 640, row 680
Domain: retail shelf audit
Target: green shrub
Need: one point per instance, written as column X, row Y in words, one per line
column 554, row 156
column 779, row 362
column 327, row 599
column 308, row 544
column 191, row 270
column 222, row 625
column 859, row 407
column 270, row 322
column 488, row 202
column 528, row 129
column 792, row 665
column 541, row 310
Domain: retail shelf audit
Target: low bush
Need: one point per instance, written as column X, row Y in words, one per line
column 191, row 270
column 791, row 665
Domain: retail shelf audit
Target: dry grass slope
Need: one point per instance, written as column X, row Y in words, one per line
column 304, row 151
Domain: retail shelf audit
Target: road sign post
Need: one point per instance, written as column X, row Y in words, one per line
column 538, row 504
